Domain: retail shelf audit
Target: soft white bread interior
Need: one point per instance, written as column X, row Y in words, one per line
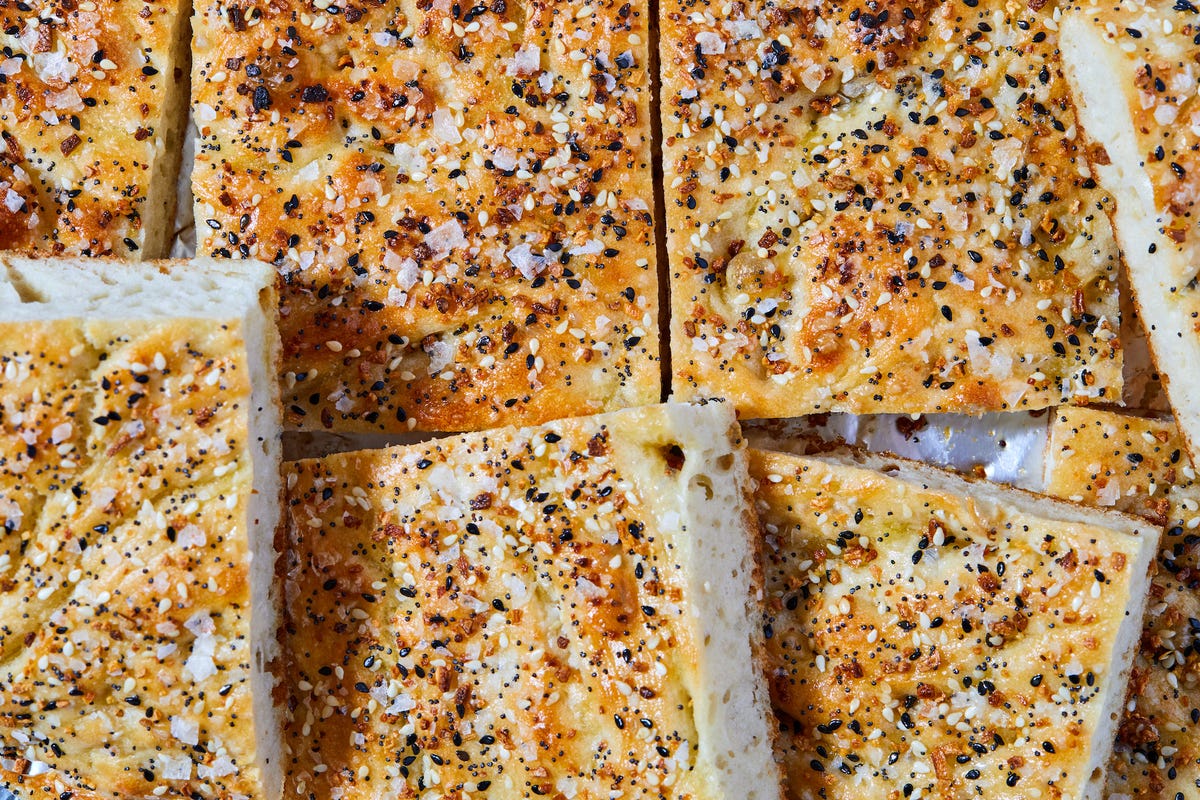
column 1103, row 80
column 110, row 289
column 715, row 546
column 1129, row 632
column 217, row 293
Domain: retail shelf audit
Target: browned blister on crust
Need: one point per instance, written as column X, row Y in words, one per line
column 457, row 196
column 881, row 210
column 936, row 637
column 560, row 611
column 1141, row 466
column 91, row 113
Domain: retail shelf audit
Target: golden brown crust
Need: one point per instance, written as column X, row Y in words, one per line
column 514, row 613
column 457, row 195
column 1140, row 465
column 125, row 481
column 881, row 211
column 925, row 641
column 1137, row 465
column 88, row 125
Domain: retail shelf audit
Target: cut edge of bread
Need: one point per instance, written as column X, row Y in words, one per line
column 244, row 292
column 265, row 424
column 113, row 289
column 1094, row 67
column 1112, row 700
column 158, row 216
column 717, row 551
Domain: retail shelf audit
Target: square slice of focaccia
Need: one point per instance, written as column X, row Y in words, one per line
column 1140, row 466
column 1133, row 66
column 881, row 210
column 139, row 499
column 458, row 198
column 93, row 99
column 561, row 611
column 929, row 636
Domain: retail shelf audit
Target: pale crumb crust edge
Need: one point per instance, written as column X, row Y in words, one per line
column 265, row 512
column 734, row 717
column 112, row 289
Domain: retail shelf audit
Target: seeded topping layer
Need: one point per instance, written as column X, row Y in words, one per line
column 1134, row 464
column 124, row 601
column 1159, row 42
column 927, row 644
column 508, row 614
column 1141, row 466
column 457, row 197
column 85, row 106
column 884, row 211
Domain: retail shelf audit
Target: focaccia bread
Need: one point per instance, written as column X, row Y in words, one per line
column 931, row 636
column 1133, row 66
column 562, row 611
column 139, row 500
column 92, row 108
column 1140, row 466
column 458, row 197
column 881, row 209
